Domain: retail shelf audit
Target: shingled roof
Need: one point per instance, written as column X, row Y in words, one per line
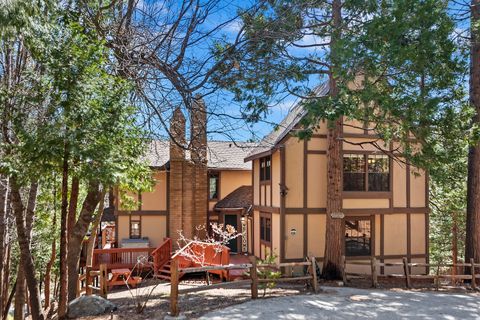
column 220, row 154
column 240, row 198
column 287, row 124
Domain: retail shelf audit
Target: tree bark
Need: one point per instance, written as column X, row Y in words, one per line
column 48, row 268
column 20, row 294
column 79, row 231
column 472, row 240
column 24, row 222
column 3, row 233
column 334, row 232
column 94, row 232
column 63, row 298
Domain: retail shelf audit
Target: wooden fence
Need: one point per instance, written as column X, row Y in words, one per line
column 406, row 266
column 254, row 280
column 93, row 281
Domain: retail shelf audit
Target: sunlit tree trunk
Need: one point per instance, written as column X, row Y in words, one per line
column 334, row 233
column 472, row 241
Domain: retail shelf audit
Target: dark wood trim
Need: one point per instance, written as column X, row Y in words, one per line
column 282, row 203
column 386, row 257
column 167, row 174
column 271, row 180
column 305, row 210
column 427, row 218
column 382, row 242
column 409, row 237
column 143, row 213
column 408, row 184
column 316, row 152
column 382, row 211
column 139, row 198
column 367, row 194
column 259, row 155
column 267, row 209
column 317, row 135
column 305, row 196
column 361, row 135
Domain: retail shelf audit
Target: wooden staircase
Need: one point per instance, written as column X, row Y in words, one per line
column 164, row 272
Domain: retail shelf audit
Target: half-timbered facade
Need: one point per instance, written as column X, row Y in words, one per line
column 384, row 199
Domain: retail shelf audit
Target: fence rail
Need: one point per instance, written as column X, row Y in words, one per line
column 406, row 267
column 93, row 280
column 253, row 281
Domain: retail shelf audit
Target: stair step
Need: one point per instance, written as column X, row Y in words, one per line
column 161, row 276
column 165, row 271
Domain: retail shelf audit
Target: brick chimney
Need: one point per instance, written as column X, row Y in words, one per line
column 198, row 134
column 188, row 175
column 177, row 162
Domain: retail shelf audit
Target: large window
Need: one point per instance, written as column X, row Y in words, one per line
column 265, row 165
column 213, row 186
column 363, row 172
column 135, row 232
column 265, row 227
column 358, row 237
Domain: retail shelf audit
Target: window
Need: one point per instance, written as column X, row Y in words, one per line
column 358, row 237
column 265, row 228
column 135, row 229
column 213, row 180
column 265, row 165
column 363, row 172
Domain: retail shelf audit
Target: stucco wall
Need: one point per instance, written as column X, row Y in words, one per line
column 123, row 228
column 365, row 203
column 157, row 199
column 399, row 184
column 316, row 235
column 155, row 228
column 232, row 179
column 395, row 234
column 276, row 235
column 294, row 243
column 317, row 181
column 276, row 179
column 294, row 172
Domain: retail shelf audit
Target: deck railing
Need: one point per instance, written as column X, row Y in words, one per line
column 162, row 254
column 120, row 257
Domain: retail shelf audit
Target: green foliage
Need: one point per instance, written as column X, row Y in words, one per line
column 268, row 273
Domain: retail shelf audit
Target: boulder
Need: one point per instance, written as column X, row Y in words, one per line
column 89, row 306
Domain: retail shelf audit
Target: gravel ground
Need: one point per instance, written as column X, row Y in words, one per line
column 351, row 303
column 192, row 306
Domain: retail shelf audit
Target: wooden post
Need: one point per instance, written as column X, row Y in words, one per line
column 407, row 273
column 79, row 285
column 174, row 288
column 88, row 281
column 103, row 280
column 314, row 275
column 474, row 283
column 374, row 273
column 344, row 271
column 438, row 277
column 254, row 277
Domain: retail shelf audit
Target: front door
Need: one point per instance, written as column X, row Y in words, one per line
column 232, row 219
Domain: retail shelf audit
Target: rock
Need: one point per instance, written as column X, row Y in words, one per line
column 179, row 317
column 89, row 306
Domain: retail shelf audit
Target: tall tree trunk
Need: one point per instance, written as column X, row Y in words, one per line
column 8, row 301
column 472, row 240
column 53, row 255
column 6, row 277
column 24, row 222
column 93, row 236
column 73, row 204
column 79, row 231
column 20, row 293
column 332, row 267
column 63, row 294
column 3, row 232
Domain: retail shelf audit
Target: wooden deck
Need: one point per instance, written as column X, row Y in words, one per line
column 118, row 258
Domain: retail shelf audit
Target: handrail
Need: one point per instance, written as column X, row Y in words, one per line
column 161, row 255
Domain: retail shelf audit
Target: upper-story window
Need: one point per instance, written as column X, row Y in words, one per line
column 362, row 172
column 135, row 229
column 265, row 165
column 213, row 186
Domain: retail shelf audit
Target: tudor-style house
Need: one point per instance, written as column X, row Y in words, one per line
column 208, row 183
column 385, row 201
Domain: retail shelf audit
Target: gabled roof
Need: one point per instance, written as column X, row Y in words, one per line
column 221, row 155
column 240, row 198
column 271, row 140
